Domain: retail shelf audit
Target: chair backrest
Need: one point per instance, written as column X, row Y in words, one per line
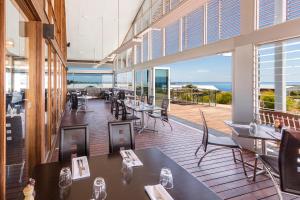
column 8, row 100
column 143, row 98
column 113, row 104
column 73, row 140
column 205, row 131
column 124, row 111
column 150, row 100
column 121, row 136
column 74, row 100
column 164, row 111
column 289, row 161
column 117, row 109
column 14, row 129
column 121, row 95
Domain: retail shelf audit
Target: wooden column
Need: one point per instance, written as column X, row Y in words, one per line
column 2, row 102
column 35, row 104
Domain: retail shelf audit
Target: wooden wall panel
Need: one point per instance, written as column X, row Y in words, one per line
column 2, row 102
column 35, row 96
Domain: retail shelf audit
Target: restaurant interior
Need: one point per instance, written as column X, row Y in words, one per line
column 87, row 104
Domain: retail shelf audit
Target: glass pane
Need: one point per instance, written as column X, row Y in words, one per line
column 47, row 134
column 17, row 103
column 161, row 85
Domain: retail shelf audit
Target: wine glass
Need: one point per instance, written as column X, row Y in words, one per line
column 99, row 189
column 65, row 177
column 166, row 178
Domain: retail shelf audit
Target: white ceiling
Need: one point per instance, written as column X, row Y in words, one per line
column 84, row 26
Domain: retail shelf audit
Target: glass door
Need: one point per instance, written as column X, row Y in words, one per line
column 161, row 84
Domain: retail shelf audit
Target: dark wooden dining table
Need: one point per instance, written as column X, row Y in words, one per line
column 186, row 187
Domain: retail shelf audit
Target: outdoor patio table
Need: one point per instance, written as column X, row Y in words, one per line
column 142, row 108
column 186, row 187
column 264, row 133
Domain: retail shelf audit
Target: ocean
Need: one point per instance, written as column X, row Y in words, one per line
column 222, row 86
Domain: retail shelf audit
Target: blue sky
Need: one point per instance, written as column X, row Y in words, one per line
column 210, row 69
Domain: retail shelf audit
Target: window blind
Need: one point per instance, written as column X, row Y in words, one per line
column 145, row 47
column 192, row 30
column 266, row 13
column 292, row 9
column 156, row 44
column 213, row 21
column 138, row 54
column 157, row 10
column 230, row 18
column 172, row 38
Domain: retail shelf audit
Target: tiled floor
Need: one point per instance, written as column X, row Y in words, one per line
column 217, row 171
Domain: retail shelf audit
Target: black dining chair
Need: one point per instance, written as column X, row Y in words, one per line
column 127, row 115
column 285, row 167
column 8, row 101
column 150, row 100
column 15, row 143
column 73, row 140
column 163, row 115
column 221, row 142
column 121, row 136
column 74, row 101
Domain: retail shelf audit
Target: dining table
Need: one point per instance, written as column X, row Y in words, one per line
column 263, row 133
column 186, row 186
column 142, row 108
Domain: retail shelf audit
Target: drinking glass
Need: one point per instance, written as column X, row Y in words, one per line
column 99, row 189
column 127, row 170
column 166, row 178
column 253, row 128
column 65, row 177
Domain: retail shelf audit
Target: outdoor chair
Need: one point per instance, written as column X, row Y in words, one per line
column 163, row 115
column 73, row 136
column 286, row 167
column 126, row 115
column 221, row 142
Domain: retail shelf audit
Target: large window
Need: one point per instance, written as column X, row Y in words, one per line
column 278, row 87
column 83, row 80
column 124, row 80
column 18, row 100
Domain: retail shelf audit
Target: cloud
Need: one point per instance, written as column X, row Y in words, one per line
column 202, row 71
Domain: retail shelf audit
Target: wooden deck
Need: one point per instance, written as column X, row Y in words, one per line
column 218, row 171
column 215, row 115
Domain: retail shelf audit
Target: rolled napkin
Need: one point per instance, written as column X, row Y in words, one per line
column 129, row 154
column 80, row 168
column 157, row 192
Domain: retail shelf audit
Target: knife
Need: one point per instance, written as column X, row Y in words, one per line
column 80, row 170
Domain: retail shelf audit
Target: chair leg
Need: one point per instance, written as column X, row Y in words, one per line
column 198, row 149
column 170, row 126
column 275, row 183
column 208, row 152
column 22, row 171
column 154, row 125
column 243, row 163
column 233, row 154
column 255, row 168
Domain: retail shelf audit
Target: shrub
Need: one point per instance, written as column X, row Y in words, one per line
column 224, row 98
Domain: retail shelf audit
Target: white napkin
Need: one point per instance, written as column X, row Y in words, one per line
column 157, row 192
column 131, row 156
column 83, row 163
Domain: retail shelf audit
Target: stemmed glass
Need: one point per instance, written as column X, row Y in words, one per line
column 65, row 178
column 99, row 189
column 166, row 178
